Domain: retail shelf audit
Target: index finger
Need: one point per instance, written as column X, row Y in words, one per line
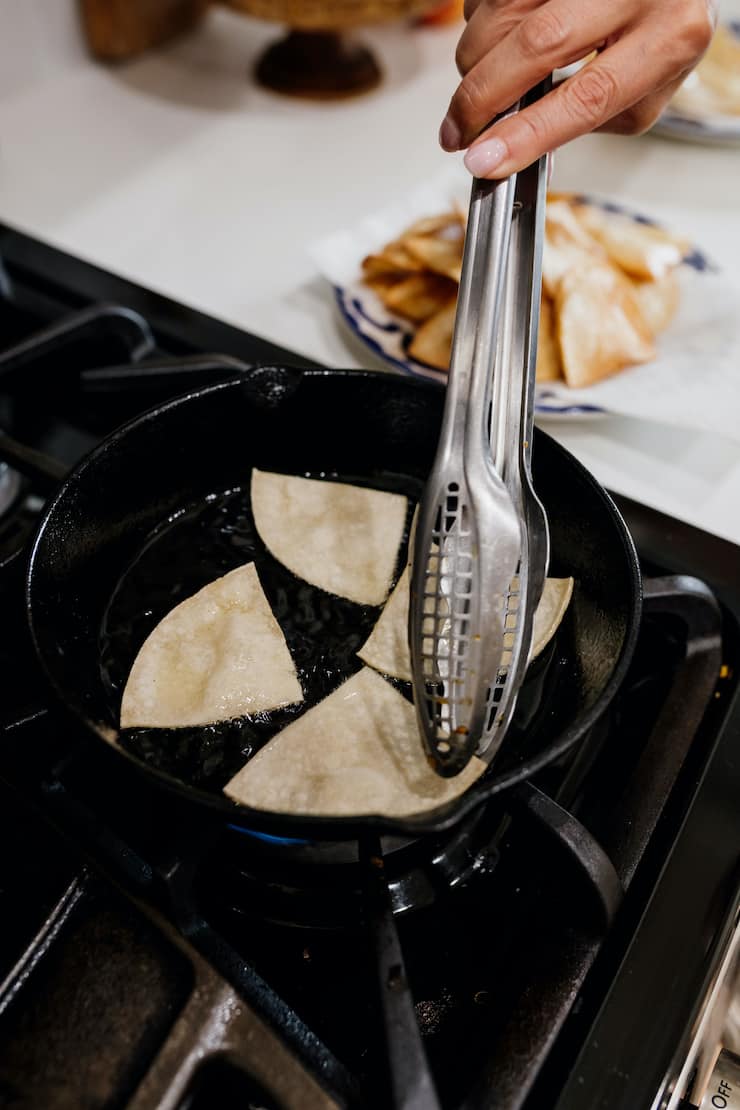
column 551, row 36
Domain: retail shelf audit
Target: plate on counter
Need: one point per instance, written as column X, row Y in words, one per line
column 713, row 130
column 388, row 337
column 706, row 109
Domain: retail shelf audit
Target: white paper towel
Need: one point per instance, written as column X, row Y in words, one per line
column 693, row 383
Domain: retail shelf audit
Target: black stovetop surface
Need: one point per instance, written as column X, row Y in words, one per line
column 133, row 925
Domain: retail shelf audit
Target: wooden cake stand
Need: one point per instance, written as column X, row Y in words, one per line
column 318, row 58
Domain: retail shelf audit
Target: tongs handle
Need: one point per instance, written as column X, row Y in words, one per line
column 512, row 417
column 512, row 426
column 455, row 621
column 479, row 307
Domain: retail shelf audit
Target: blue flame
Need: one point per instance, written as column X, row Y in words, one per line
column 267, row 837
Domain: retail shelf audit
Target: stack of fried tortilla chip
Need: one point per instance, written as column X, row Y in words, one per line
column 416, row 276
column 609, row 287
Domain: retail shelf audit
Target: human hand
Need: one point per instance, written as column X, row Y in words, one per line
column 645, row 49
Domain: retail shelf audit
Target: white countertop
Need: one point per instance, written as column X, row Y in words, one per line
column 178, row 172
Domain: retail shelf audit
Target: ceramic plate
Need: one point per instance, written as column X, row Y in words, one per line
column 389, row 336
column 679, row 122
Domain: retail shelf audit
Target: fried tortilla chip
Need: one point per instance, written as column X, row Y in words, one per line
column 600, row 326
column 450, row 223
column 658, row 300
column 441, row 256
column 381, row 283
column 393, row 259
column 641, row 250
column 548, row 616
column 339, row 537
column 419, row 296
column 549, row 363
column 357, row 753
column 563, row 224
column 219, row 654
column 632, row 264
column 433, row 340
column 386, row 649
column 567, row 246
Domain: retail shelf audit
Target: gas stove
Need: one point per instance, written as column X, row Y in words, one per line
column 573, row 945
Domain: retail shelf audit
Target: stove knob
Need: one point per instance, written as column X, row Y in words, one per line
column 723, row 1092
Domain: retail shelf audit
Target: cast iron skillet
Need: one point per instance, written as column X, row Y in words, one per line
column 359, row 425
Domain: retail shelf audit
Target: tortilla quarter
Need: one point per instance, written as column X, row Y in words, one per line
column 357, row 753
column 217, row 655
column 340, row 537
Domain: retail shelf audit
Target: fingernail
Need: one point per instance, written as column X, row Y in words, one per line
column 485, row 157
column 449, row 134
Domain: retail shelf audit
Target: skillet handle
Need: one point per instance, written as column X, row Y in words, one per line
column 129, row 326
column 579, row 846
column 267, row 385
column 188, row 372
column 692, row 601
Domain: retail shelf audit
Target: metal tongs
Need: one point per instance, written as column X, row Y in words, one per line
column 481, row 549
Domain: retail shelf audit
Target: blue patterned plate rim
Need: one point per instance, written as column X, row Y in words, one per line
column 355, row 313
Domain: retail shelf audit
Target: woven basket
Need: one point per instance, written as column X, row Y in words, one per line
column 329, row 15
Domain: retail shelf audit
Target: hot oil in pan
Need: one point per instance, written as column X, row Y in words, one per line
column 323, row 633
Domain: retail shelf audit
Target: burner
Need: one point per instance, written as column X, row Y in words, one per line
column 20, row 505
column 10, row 484
column 19, row 511
column 323, row 885
column 320, row 884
